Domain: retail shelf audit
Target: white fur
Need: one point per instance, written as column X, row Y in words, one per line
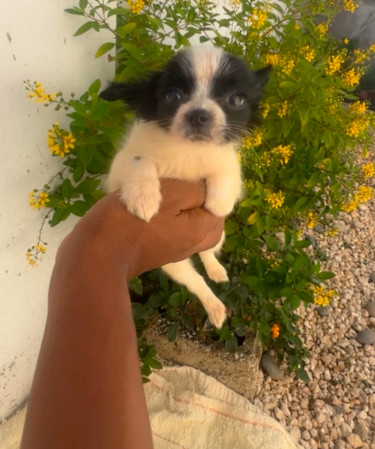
column 151, row 153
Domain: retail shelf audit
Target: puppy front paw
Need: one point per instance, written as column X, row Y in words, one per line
column 142, row 199
column 219, row 206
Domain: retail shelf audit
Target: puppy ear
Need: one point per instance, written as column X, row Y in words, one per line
column 263, row 76
column 140, row 96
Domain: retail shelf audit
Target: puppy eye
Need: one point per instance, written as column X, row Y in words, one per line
column 173, row 96
column 237, row 101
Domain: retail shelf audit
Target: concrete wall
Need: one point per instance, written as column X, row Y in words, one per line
column 36, row 43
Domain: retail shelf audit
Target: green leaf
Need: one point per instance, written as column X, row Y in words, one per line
column 273, row 243
column 79, row 208
column 104, row 49
column 86, row 27
column 230, row 227
column 76, row 11
column 324, row 275
column 59, row 215
column 253, row 218
column 231, row 345
column 302, row 374
column 67, row 189
column 95, row 87
column 126, row 29
column 88, row 185
column 83, row 4
column 118, row 11
column 173, row 331
column 78, row 172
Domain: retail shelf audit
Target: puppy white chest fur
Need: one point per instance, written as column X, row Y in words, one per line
column 151, row 153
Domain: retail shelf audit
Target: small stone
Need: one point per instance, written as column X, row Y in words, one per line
column 370, row 307
column 270, row 366
column 345, row 429
column 361, row 429
column 372, row 277
column 279, row 414
column 366, row 337
column 319, row 228
column 324, row 311
column 311, row 239
column 358, row 224
column 321, row 418
column 354, row 440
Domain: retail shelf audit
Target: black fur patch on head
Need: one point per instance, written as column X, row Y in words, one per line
column 147, row 97
column 141, row 96
column 233, row 81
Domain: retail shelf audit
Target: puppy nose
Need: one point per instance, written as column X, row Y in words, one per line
column 198, row 117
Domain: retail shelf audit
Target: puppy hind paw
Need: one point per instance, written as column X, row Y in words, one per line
column 217, row 314
column 217, row 273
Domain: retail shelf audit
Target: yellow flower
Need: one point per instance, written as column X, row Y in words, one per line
column 308, row 53
column 59, row 141
column 346, row 41
column 288, row 66
column 351, row 77
column 254, row 140
column 283, row 153
column 36, row 91
column 360, row 56
column 38, row 201
column 350, row 5
column 323, row 297
column 311, row 219
column 360, row 107
column 368, row 170
column 32, row 254
column 332, row 232
column 322, row 29
column 258, row 18
column 354, row 128
column 275, row 200
column 136, row 6
column 334, row 64
column 362, row 195
column 275, row 330
column 272, row 59
column 372, row 48
column 284, row 109
column 265, row 108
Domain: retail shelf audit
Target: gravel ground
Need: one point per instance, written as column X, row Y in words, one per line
column 336, row 410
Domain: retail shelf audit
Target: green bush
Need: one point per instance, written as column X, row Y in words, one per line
column 299, row 167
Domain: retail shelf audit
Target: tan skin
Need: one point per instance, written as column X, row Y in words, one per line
column 87, row 391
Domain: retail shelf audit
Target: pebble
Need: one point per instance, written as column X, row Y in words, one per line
column 366, row 337
column 270, row 366
column 354, row 440
column 324, row 311
column 370, row 307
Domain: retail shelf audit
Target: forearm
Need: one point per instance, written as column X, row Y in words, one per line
column 87, row 390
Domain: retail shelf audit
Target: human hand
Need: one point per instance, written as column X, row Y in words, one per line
column 181, row 228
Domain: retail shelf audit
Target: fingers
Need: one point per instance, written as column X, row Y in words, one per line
column 205, row 228
column 181, row 195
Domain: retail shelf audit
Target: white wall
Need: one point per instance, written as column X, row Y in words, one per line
column 36, row 43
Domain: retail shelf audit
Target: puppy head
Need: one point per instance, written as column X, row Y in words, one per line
column 202, row 94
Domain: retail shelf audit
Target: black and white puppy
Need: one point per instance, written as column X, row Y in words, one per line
column 192, row 114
